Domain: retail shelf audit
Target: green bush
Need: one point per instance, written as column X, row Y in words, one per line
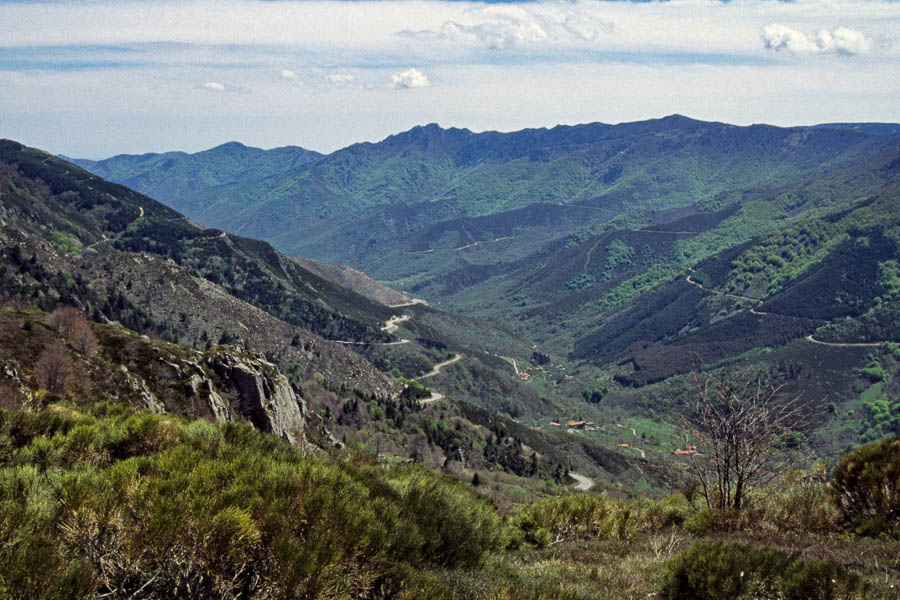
column 706, row 570
column 580, row 516
column 110, row 503
column 659, row 515
column 714, row 570
column 800, row 506
column 866, row 487
column 819, row 579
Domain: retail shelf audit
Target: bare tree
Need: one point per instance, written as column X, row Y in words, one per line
column 66, row 319
column 53, row 370
column 744, row 433
column 83, row 338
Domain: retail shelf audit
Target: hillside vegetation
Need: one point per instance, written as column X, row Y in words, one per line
column 101, row 500
column 627, row 256
column 185, row 412
column 72, row 239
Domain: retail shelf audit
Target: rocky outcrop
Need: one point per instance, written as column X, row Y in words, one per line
column 257, row 393
column 222, row 384
column 147, row 398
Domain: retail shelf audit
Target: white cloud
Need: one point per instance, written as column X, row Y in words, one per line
column 842, row 40
column 287, row 74
column 341, row 78
column 412, row 78
column 214, row 86
column 851, row 41
column 507, row 26
column 83, row 71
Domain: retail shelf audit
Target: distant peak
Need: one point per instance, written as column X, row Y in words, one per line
column 230, row 146
column 429, row 129
column 679, row 120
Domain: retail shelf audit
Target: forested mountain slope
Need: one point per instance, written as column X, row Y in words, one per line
column 368, row 204
column 70, row 238
column 171, row 176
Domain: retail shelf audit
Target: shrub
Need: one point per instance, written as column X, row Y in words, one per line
column 580, row 516
column 802, row 507
column 711, row 570
column 83, row 338
column 121, row 502
column 659, row 515
column 819, row 579
column 866, row 487
column 66, row 319
column 710, row 520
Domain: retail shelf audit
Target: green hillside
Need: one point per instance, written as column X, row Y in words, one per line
column 369, row 205
column 189, row 413
column 73, row 239
column 626, row 256
column 171, row 176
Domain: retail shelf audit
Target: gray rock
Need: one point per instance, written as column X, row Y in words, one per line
column 259, row 394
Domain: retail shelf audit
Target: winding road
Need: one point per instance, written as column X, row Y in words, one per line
column 511, row 361
column 810, row 338
column 634, row 433
column 437, row 368
column 633, row 430
column 412, row 302
column 390, row 326
column 475, row 243
column 397, row 343
column 435, row 396
column 690, row 280
column 753, row 310
column 587, row 259
column 584, row 484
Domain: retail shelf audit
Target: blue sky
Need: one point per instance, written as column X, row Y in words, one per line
column 101, row 77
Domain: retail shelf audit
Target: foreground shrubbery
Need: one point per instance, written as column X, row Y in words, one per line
column 584, row 516
column 711, row 570
column 866, row 488
column 108, row 502
column 118, row 503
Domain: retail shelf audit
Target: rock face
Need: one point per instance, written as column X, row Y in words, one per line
column 221, row 384
column 258, row 393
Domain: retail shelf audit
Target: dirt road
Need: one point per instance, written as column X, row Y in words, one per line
column 437, row 368
column 584, row 484
column 390, row 326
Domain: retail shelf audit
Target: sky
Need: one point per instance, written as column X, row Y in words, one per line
column 95, row 78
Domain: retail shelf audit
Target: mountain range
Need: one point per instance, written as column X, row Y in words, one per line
column 633, row 254
column 256, row 336
column 185, row 410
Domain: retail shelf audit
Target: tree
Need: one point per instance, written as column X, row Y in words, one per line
column 745, row 433
column 66, row 319
column 53, row 370
column 83, row 338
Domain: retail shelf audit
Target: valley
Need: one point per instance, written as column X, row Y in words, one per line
column 449, row 300
column 530, row 315
column 582, row 252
